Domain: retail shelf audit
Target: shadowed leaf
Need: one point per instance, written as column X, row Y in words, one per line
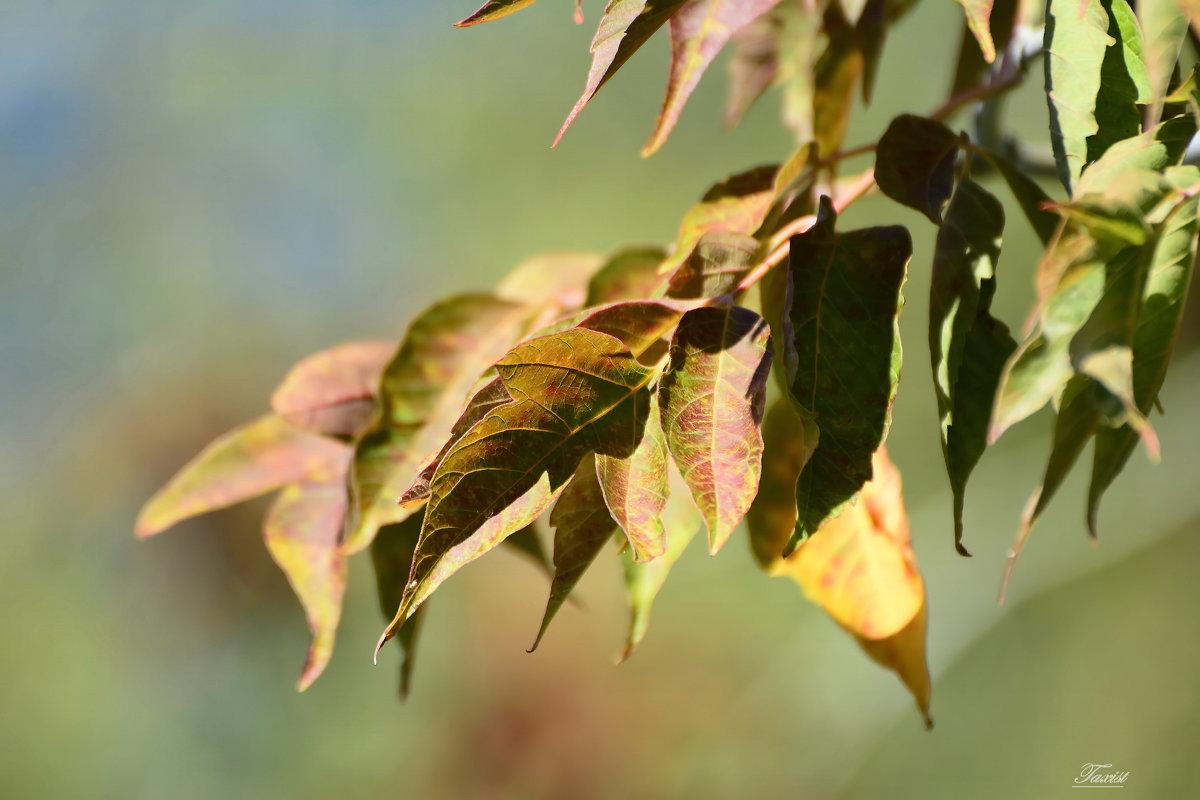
column 628, row 275
column 845, row 306
column 712, row 397
column 699, row 30
column 391, row 557
column 635, row 487
column 914, row 164
column 558, row 281
column 771, row 519
column 1123, row 82
column 302, row 530
column 967, row 345
column 493, row 9
column 624, row 28
column 1029, row 197
column 738, row 204
column 861, row 569
column 423, row 391
column 972, row 66
column 835, row 79
column 333, row 391
column 582, row 527
column 249, row 461
column 752, row 67
column 715, row 267
column 1164, row 29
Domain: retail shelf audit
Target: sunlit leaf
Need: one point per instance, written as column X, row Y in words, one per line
column 737, row 204
column 835, row 79
column 914, row 164
column 391, row 557
column 493, row 9
column 979, row 14
column 1029, row 197
column 771, row 518
column 699, row 30
column 635, row 487
column 624, row 28
column 558, row 281
column 627, row 275
column 334, row 391
column 967, row 345
column 423, row 391
column 798, row 50
column 1123, row 82
column 712, row 396
column 249, row 461
column 1164, row 29
column 845, row 306
column 861, row 569
column 1153, row 151
column 302, row 530
column 582, row 526
column 715, row 266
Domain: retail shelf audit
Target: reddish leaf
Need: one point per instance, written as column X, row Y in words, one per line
column 635, row 487
column 333, row 391
column 737, row 204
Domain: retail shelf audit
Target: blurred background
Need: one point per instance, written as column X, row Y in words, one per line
column 195, row 194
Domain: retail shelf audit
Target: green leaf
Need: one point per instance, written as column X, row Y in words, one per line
column 967, row 345
column 753, row 66
column 835, row 79
column 494, row 9
column 528, row 544
column 334, row 391
column 699, row 30
column 787, row 445
column 978, row 13
column 798, row 51
column 391, row 557
column 302, row 532
column 643, row 581
column 914, row 164
column 624, row 28
column 582, row 526
column 844, row 314
column 1075, row 42
column 251, row 460
column 422, row 393
column 1029, row 196
column 738, row 204
column 712, row 397
column 1151, row 151
column 1123, row 82
column 555, row 281
column 972, row 66
column 1164, row 28
column 627, row 275
column 715, row 266
column 635, row 487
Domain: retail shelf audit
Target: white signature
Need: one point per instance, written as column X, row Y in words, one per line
column 1094, row 776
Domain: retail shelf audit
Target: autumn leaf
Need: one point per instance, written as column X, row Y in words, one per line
column 555, row 282
column 978, row 13
column 835, row 80
column 752, row 67
column 738, row 204
column 845, row 305
column 251, row 460
column 699, row 30
column 715, row 267
column 635, row 487
column 334, row 391
column 712, row 396
column 861, row 569
column 914, row 164
column 391, row 557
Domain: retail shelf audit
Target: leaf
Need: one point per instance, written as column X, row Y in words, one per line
column 715, row 267
column 845, row 306
column 978, row 13
column 1123, row 82
column 422, row 392
column 249, row 461
column 557, row 280
column 574, row 392
column 529, row 545
column 752, row 67
column 1075, row 43
column 391, row 557
column 967, row 345
column 493, row 9
column 914, row 164
column 712, row 397
column 1155, row 330
column 738, row 204
column 643, row 581
column 699, row 30
column 302, row 530
column 1164, row 29
column 771, row 519
column 628, row 275
column 798, row 51
column 861, row 569
column 972, row 66
column 835, row 78
column 624, row 28
column 333, row 391
column 582, row 526
column 635, row 487
column 1029, row 196
column 1152, row 151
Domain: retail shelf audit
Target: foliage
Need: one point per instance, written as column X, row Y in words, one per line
column 625, row 397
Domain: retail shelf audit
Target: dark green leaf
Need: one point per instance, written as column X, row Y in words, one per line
column 787, row 445
column 391, row 557
column 628, row 275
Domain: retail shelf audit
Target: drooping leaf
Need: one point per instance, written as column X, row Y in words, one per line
column 870, row 31
column 845, row 305
column 635, row 487
column 715, row 266
column 624, row 28
column 1164, row 28
column 643, row 581
column 251, row 460
column 835, row 80
column 712, row 398
column 302, row 530
column 914, row 164
column 1075, row 42
column 582, row 526
column 967, row 345
column 334, row 391
column 798, row 51
column 771, row 519
column 752, row 67
column 557, row 282
column 1029, row 196
column 699, row 30
column 627, row 275
column 493, row 9
column 423, row 390
column 528, row 544
column 391, row 557
column 978, row 13
column 737, row 204
column 1123, row 82
column 861, row 569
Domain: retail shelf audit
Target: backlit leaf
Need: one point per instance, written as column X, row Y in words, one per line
column 738, row 204
column 845, row 306
column 1123, row 82
column 699, row 30
column 249, row 461
column 624, row 28
column 302, row 530
column 972, row 65
column 334, row 391
column 979, row 14
column 714, row 267
column 771, row 519
column 752, row 67
column 635, row 487
column 914, row 164
column 556, row 280
column 835, row 79
column 493, row 9
column 712, row 396
column 798, row 51
column 391, row 557
column 627, row 275
column 1029, row 197
column 1164, row 28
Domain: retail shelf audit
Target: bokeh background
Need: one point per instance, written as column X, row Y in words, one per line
column 196, row 193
